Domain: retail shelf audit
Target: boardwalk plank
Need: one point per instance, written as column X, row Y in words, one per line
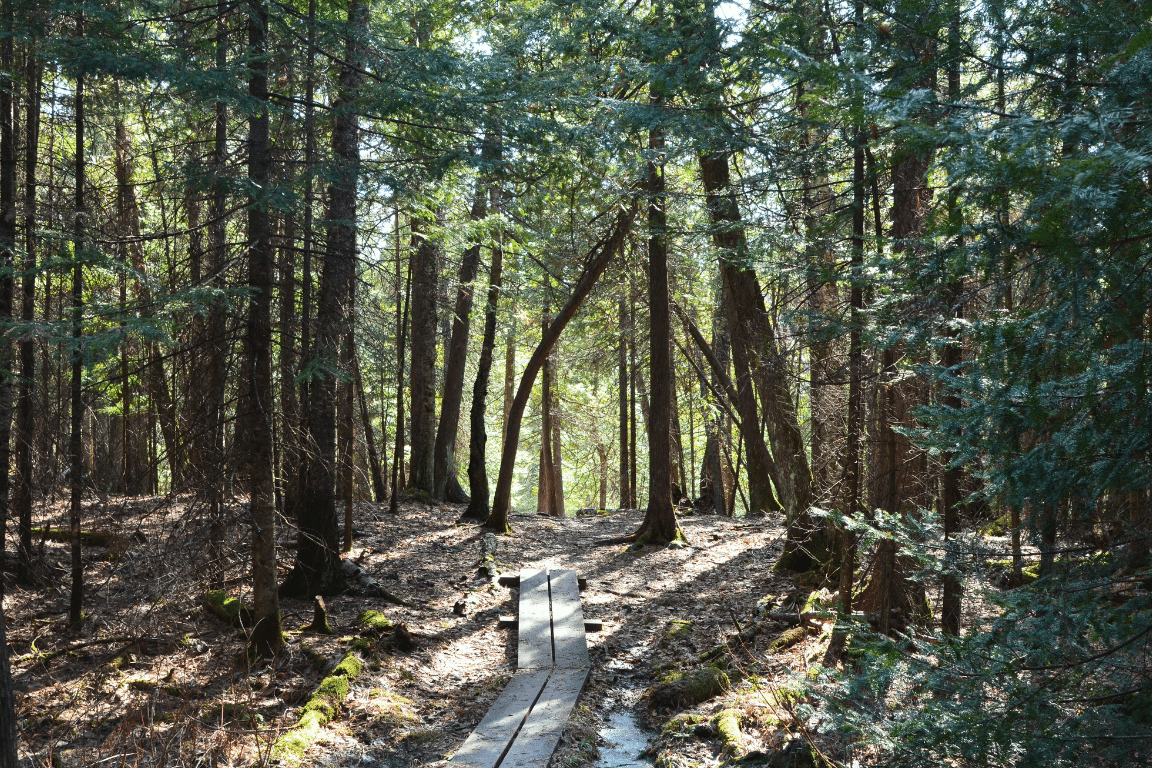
column 568, row 620
column 541, row 732
column 487, row 743
column 534, row 649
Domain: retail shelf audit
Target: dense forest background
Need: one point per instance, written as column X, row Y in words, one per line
column 879, row 267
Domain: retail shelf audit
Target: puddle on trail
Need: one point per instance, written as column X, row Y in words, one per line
column 624, row 742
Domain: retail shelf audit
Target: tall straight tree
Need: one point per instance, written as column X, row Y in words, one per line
column 423, row 377
column 257, row 404
column 317, row 567
column 75, row 446
column 8, row 722
column 659, row 525
column 26, row 429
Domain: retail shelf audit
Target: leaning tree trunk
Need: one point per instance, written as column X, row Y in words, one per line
column 446, row 485
column 317, row 567
column 598, row 261
column 255, row 411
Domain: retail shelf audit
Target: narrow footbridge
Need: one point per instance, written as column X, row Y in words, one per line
column 524, row 724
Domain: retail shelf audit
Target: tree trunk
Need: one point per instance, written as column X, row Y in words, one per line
column 423, row 384
column 401, row 338
column 444, row 461
column 26, row 430
column 346, row 436
column 659, row 526
column 622, row 363
column 254, row 425
column 478, row 508
column 317, row 567
column 546, row 473
column 75, row 439
column 595, row 265
column 557, row 458
column 379, row 491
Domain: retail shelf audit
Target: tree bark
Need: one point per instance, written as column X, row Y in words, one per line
column 26, row 429
column 622, row 367
column 478, row 508
column 659, row 526
column 346, row 435
column 379, row 490
column 444, row 460
column 401, row 339
column 256, row 407
column 317, row 567
column 595, row 264
column 75, row 439
column 423, row 376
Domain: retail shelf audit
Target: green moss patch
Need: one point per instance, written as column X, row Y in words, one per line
column 788, row 639
column 693, row 688
column 677, row 628
column 374, row 621
column 681, row 724
column 320, row 710
column 727, row 724
column 227, row 608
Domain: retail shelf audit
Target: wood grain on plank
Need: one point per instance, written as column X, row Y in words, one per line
column 568, row 620
column 534, row 635
column 541, row 732
column 487, row 742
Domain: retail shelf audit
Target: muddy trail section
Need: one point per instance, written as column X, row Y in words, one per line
column 155, row 678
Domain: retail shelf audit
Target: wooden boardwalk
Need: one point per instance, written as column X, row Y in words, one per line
column 524, row 724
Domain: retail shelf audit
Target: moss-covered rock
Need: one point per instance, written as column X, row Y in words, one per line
column 689, row 689
column 681, row 724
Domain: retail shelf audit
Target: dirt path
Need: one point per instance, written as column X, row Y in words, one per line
column 188, row 702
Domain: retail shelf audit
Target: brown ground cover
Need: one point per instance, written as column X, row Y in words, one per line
column 172, row 689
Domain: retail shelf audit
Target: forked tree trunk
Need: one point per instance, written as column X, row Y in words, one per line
column 597, row 262
column 622, row 367
column 478, row 508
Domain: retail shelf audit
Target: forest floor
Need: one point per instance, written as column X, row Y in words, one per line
column 174, row 690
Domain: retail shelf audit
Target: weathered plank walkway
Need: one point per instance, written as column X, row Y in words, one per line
column 524, row 724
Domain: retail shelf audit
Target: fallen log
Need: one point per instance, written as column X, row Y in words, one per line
column 42, row 656
column 369, row 585
column 808, row 619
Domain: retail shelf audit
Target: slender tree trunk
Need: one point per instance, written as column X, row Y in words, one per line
column 447, row 486
column 401, row 338
column 478, row 508
column 256, row 408
column 423, row 384
column 288, row 362
column 7, row 264
column 509, row 379
column 544, row 493
column 558, row 509
column 598, row 261
column 26, row 431
column 317, row 568
column 346, row 436
column 622, row 366
column 75, row 440
column 379, row 491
